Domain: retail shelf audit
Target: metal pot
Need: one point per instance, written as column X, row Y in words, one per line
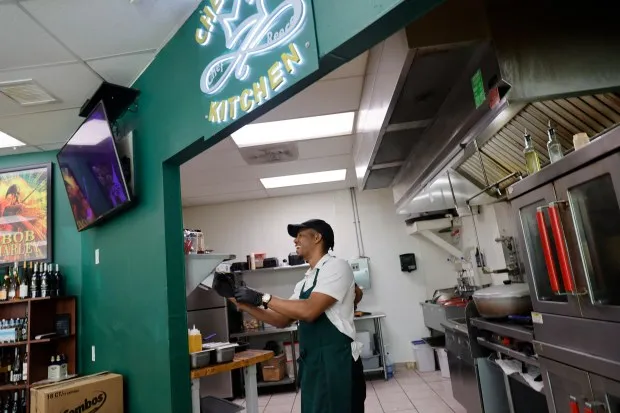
column 501, row 301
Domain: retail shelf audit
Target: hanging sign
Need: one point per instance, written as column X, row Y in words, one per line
column 259, row 48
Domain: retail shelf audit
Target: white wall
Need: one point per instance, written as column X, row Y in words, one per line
column 260, row 226
column 488, row 230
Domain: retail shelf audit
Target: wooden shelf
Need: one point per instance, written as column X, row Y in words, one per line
column 50, row 339
column 13, row 387
column 27, row 300
column 14, row 344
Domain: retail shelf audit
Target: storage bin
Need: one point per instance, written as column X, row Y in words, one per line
column 371, row 363
column 442, row 356
column 424, row 355
column 365, row 338
column 274, row 369
column 210, row 404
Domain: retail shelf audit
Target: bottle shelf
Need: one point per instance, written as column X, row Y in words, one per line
column 14, row 344
column 27, row 300
column 13, row 387
column 50, row 339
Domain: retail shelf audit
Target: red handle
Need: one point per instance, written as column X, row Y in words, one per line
column 560, row 245
column 546, row 246
column 574, row 406
column 588, row 409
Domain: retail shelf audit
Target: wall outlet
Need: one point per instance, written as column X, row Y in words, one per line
column 97, row 256
column 93, row 352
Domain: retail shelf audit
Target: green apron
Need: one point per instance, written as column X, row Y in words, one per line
column 325, row 364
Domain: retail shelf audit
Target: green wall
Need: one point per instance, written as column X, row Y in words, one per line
column 134, row 311
column 66, row 247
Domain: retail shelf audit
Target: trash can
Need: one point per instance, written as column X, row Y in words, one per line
column 442, row 356
column 424, row 355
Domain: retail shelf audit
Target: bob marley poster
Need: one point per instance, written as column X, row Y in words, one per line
column 25, row 214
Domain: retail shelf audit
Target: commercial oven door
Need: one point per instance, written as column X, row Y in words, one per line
column 568, row 389
column 606, row 395
column 548, row 288
column 589, row 205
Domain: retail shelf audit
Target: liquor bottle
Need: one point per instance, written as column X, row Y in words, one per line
column 15, row 407
column 23, row 402
column 63, row 366
column 25, row 328
column 4, row 293
column 553, row 145
column 45, row 281
column 3, row 369
column 12, row 285
column 25, row 367
column 6, row 406
column 33, row 281
column 23, row 286
column 58, row 279
column 16, row 369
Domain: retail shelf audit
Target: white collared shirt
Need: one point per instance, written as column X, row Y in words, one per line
column 336, row 280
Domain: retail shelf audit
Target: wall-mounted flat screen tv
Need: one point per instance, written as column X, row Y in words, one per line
column 92, row 172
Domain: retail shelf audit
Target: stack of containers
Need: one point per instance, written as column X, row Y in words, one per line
column 370, row 362
column 288, row 350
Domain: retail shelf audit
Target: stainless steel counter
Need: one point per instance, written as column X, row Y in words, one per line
column 265, row 332
column 457, row 325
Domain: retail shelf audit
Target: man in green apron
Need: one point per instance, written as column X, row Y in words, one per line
column 330, row 367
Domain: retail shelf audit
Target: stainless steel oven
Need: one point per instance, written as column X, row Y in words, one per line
column 569, row 216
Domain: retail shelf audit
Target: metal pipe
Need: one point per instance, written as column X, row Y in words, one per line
column 356, row 223
column 495, row 184
column 484, row 171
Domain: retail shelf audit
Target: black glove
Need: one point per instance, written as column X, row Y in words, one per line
column 249, row 296
column 224, row 285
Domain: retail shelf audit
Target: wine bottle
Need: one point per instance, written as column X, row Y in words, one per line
column 15, row 408
column 23, row 402
column 16, row 369
column 12, row 286
column 25, row 367
column 45, row 282
column 58, row 282
column 33, row 281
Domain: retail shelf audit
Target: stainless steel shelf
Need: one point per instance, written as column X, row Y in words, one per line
column 509, row 352
column 370, row 317
column 505, row 329
column 284, row 382
column 377, row 370
column 284, row 268
column 265, row 332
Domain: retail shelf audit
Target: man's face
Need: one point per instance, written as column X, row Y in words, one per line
column 306, row 241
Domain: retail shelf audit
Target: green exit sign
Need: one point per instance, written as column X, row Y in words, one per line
column 477, row 85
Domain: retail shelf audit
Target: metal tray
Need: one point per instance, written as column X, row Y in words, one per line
column 200, row 359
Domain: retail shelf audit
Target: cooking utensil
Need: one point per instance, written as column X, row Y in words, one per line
column 500, row 301
column 443, row 294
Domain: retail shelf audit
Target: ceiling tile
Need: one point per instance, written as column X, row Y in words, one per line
column 356, row 67
column 221, row 199
column 122, row 70
column 201, row 191
column 71, row 84
column 42, row 128
column 95, row 29
column 322, row 98
column 28, row 44
column 18, row 151
column 310, row 189
column 319, row 148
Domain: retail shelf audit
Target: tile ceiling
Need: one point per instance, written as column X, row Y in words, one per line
column 69, row 47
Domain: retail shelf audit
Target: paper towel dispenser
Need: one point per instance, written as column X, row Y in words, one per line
column 407, row 263
column 361, row 272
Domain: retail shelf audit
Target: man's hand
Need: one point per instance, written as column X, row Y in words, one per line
column 224, row 285
column 245, row 295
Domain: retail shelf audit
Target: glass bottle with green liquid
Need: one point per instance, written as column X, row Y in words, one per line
column 532, row 161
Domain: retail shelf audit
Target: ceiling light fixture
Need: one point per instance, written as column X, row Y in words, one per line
column 304, row 179
column 299, row 129
column 7, row 141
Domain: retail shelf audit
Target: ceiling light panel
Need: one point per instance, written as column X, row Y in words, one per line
column 304, row 179
column 291, row 130
column 26, row 92
column 7, row 141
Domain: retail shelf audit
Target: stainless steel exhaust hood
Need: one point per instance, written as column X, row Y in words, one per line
column 199, row 269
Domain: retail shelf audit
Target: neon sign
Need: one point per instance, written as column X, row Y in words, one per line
column 249, row 36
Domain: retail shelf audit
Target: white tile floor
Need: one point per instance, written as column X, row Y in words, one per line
column 408, row 392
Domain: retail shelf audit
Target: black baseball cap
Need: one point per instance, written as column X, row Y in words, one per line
column 319, row 226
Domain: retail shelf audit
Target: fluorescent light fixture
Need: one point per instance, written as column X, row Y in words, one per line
column 299, row 129
column 304, row 179
column 7, row 141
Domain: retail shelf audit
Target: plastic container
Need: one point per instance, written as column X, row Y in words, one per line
column 424, row 355
column 389, row 365
column 365, row 338
column 288, row 350
column 371, row 363
column 580, row 140
column 195, row 340
column 442, row 356
column 210, row 404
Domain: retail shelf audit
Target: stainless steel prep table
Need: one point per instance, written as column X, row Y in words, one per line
column 376, row 318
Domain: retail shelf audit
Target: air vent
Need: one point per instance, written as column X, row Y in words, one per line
column 26, row 92
column 267, row 154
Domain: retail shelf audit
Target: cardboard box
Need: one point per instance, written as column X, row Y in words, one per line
column 101, row 393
